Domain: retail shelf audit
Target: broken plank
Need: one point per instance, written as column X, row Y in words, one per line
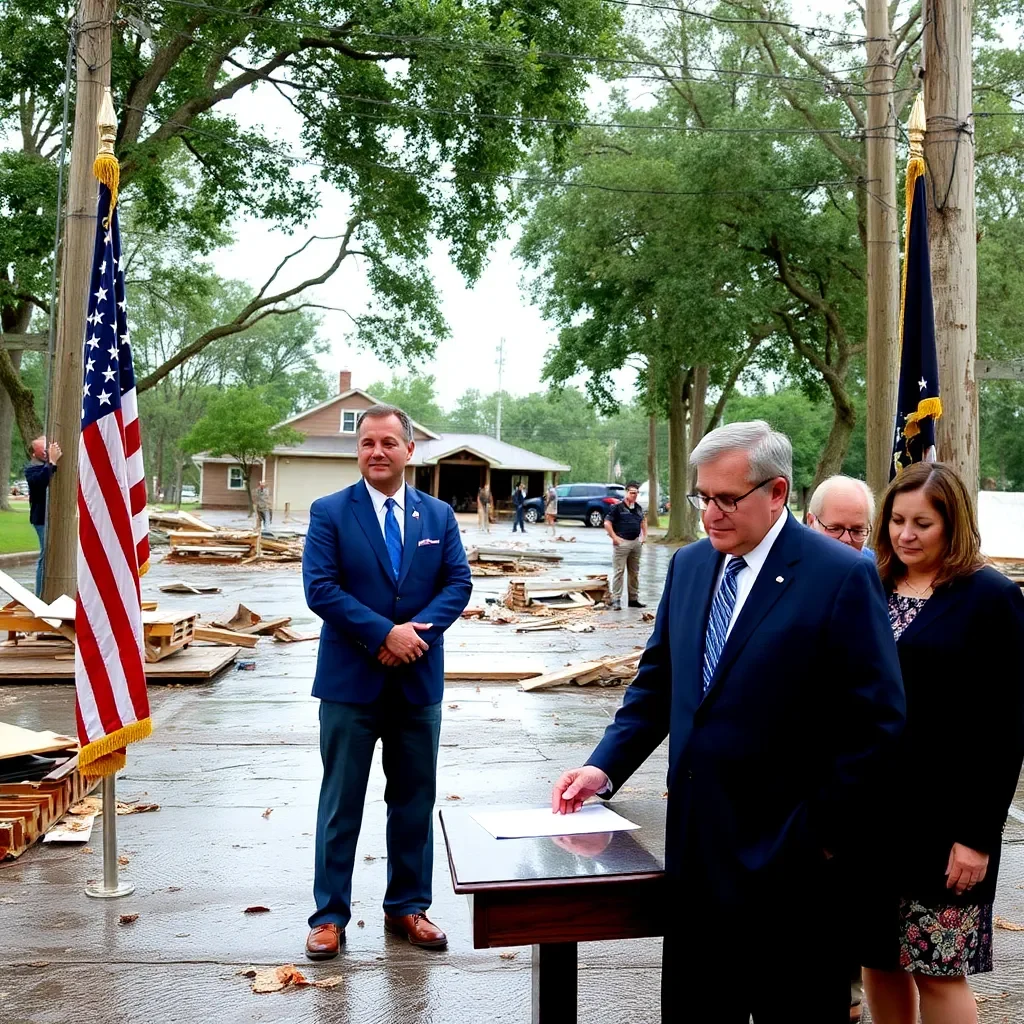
column 481, row 669
column 181, row 587
column 216, row 635
column 285, row 634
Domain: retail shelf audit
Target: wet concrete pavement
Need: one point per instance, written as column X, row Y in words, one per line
column 224, row 752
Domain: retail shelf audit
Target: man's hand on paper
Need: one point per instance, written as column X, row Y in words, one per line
column 575, row 787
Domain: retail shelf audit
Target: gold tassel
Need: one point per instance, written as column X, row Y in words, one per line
column 105, row 756
column 926, row 407
column 108, row 172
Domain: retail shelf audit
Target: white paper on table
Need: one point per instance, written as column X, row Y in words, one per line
column 534, row 822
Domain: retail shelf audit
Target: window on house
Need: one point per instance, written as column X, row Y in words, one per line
column 236, row 481
column 348, row 421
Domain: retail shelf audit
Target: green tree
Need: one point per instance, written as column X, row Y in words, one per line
column 416, row 394
column 240, row 422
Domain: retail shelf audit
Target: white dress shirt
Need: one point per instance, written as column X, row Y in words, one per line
column 747, row 576
column 378, row 499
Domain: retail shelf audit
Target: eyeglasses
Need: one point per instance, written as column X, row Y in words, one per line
column 856, row 532
column 702, row 502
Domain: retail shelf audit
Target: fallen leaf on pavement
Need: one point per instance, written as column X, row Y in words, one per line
column 334, row 979
column 267, row 813
column 647, row 617
column 369, row 857
column 128, row 918
column 360, row 924
column 453, row 707
column 507, row 956
column 174, row 888
column 453, row 796
column 1009, row 926
column 85, row 849
column 256, row 910
column 123, row 861
column 273, row 979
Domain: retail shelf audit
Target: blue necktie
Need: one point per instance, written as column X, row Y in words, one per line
column 718, row 621
column 393, row 536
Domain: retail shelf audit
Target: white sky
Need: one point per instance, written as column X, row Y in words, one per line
column 478, row 317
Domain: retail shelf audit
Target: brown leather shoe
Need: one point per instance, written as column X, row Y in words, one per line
column 324, row 941
column 418, row 930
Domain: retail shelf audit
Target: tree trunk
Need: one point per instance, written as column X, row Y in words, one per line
column 6, row 432
column 949, row 154
column 844, row 419
column 882, row 247
column 653, row 518
column 678, row 455
column 178, row 471
column 696, row 405
column 65, row 408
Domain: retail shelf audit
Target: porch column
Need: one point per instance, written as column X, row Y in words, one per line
column 436, row 487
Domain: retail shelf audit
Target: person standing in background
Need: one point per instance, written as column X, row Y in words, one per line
column 38, row 474
column 551, row 508
column 626, row 524
column 483, row 508
column 518, row 499
column 263, row 504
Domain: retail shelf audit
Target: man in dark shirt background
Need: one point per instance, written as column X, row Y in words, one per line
column 38, row 474
column 626, row 524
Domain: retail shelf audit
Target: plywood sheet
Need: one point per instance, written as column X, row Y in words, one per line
column 197, row 663
column 15, row 741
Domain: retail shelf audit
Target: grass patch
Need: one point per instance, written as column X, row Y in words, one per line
column 185, row 506
column 16, row 532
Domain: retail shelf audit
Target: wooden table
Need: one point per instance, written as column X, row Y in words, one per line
column 552, row 893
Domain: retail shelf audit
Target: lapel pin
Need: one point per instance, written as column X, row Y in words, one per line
column 779, row 579
column 415, row 514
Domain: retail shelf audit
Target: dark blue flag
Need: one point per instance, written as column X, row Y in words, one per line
column 917, row 404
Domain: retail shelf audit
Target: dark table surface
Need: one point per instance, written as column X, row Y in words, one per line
column 480, row 862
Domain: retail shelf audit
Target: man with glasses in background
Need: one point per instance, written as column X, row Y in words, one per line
column 844, row 509
column 773, row 672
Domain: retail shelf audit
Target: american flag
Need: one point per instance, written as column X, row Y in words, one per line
column 113, row 528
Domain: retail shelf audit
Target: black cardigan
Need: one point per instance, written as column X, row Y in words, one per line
column 960, row 757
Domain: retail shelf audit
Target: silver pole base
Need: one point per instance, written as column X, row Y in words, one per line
column 102, row 893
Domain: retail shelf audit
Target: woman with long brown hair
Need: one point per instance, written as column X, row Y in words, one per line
column 959, row 629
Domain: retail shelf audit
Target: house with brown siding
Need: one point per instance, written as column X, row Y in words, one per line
column 449, row 466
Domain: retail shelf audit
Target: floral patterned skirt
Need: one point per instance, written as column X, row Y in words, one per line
column 945, row 941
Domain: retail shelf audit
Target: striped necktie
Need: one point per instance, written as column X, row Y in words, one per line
column 393, row 536
column 718, row 621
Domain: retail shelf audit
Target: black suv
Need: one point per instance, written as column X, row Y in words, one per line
column 587, row 502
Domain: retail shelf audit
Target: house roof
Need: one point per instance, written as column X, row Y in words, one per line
column 341, row 398
column 498, row 453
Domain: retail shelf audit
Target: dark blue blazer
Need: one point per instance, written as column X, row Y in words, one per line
column 770, row 767
column 349, row 583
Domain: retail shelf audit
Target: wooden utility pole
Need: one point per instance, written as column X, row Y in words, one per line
column 949, row 154
column 882, row 246
column 92, row 32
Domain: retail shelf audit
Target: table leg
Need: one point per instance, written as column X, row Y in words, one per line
column 554, row 983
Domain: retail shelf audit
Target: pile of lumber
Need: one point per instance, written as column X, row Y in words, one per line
column 509, row 561
column 244, row 627
column 239, row 546
column 29, row 807
column 540, row 596
column 608, row 671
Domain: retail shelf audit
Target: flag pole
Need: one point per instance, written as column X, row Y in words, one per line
column 111, row 886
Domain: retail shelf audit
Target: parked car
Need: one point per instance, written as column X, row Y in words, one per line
column 19, row 489
column 587, row 502
column 189, row 493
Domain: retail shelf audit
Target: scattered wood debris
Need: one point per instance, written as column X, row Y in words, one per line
column 128, row 919
column 488, row 668
column 94, row 805
column 244, row 620
column 473, row 613
column 500, row 614
column 1009, row 926
column 224, row 637
column 274, row 979
column 181, row 587
column 531, row 595
column 505, row 554
column 607, row 671
column 193, row 540
column 287, row 635
column 123, row 860
column 166, row 632
column 267, row 813
column 256, row 910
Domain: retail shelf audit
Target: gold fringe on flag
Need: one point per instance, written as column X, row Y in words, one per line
column 915, row 169
column 106, row 167
column 105, row 756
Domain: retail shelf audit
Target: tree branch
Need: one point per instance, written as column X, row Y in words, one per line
column 258, row 309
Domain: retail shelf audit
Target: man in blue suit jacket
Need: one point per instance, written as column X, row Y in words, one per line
column 773, row 671
column 385, row 569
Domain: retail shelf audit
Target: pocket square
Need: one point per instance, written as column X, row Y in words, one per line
column 427, row 540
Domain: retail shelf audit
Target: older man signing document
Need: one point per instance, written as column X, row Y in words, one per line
column 773, row 672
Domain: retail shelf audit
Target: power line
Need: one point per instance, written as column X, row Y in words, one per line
column 516, row 178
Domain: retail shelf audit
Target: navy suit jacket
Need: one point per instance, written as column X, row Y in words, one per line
column 768, row 769
column 349, row 583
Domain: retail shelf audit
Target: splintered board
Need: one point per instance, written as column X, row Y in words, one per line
column 191, row 664
column 481, row 668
